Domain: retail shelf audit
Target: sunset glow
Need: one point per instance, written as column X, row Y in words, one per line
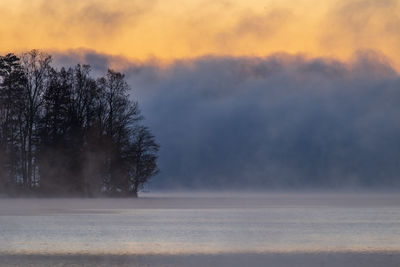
column 191, row 28
column 200, row 133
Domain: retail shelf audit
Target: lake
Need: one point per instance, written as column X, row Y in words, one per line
column 204, row 224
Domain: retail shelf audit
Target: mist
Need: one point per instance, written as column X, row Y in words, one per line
column 282, row 121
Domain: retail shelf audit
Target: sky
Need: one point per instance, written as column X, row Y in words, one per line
column 242, row 94
column 176, row 29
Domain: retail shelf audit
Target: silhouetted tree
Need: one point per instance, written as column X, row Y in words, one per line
column 64, row 133
column 36, row 66
column 58, row 150
column 119, row 117
column 143, row 156
column 12, row 106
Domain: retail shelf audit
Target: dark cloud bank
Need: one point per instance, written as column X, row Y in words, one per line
column 282, row 121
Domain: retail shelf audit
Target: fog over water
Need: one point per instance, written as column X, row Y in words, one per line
column 283, row 121
column 256, row 125
column 267, row 157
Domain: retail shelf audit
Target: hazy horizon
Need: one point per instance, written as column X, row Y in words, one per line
column 200, row 133
column 279, row 121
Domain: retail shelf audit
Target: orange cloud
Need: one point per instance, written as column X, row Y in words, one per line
column 190, row 28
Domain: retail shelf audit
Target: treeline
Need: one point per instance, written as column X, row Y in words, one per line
column 62, row 132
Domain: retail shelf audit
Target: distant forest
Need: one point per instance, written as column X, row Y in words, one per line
column 64, row 133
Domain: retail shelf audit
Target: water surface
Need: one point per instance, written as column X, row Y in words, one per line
column 202, row 223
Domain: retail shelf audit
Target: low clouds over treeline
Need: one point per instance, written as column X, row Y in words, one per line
column 283, row 121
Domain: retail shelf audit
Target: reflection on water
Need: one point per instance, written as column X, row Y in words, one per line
column 230, row 227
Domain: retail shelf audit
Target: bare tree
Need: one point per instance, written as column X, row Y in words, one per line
column 144, row 159
column 36, row 67
column 119, row 118
column 64, row 133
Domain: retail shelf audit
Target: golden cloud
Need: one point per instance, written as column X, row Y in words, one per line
column 190, row 28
